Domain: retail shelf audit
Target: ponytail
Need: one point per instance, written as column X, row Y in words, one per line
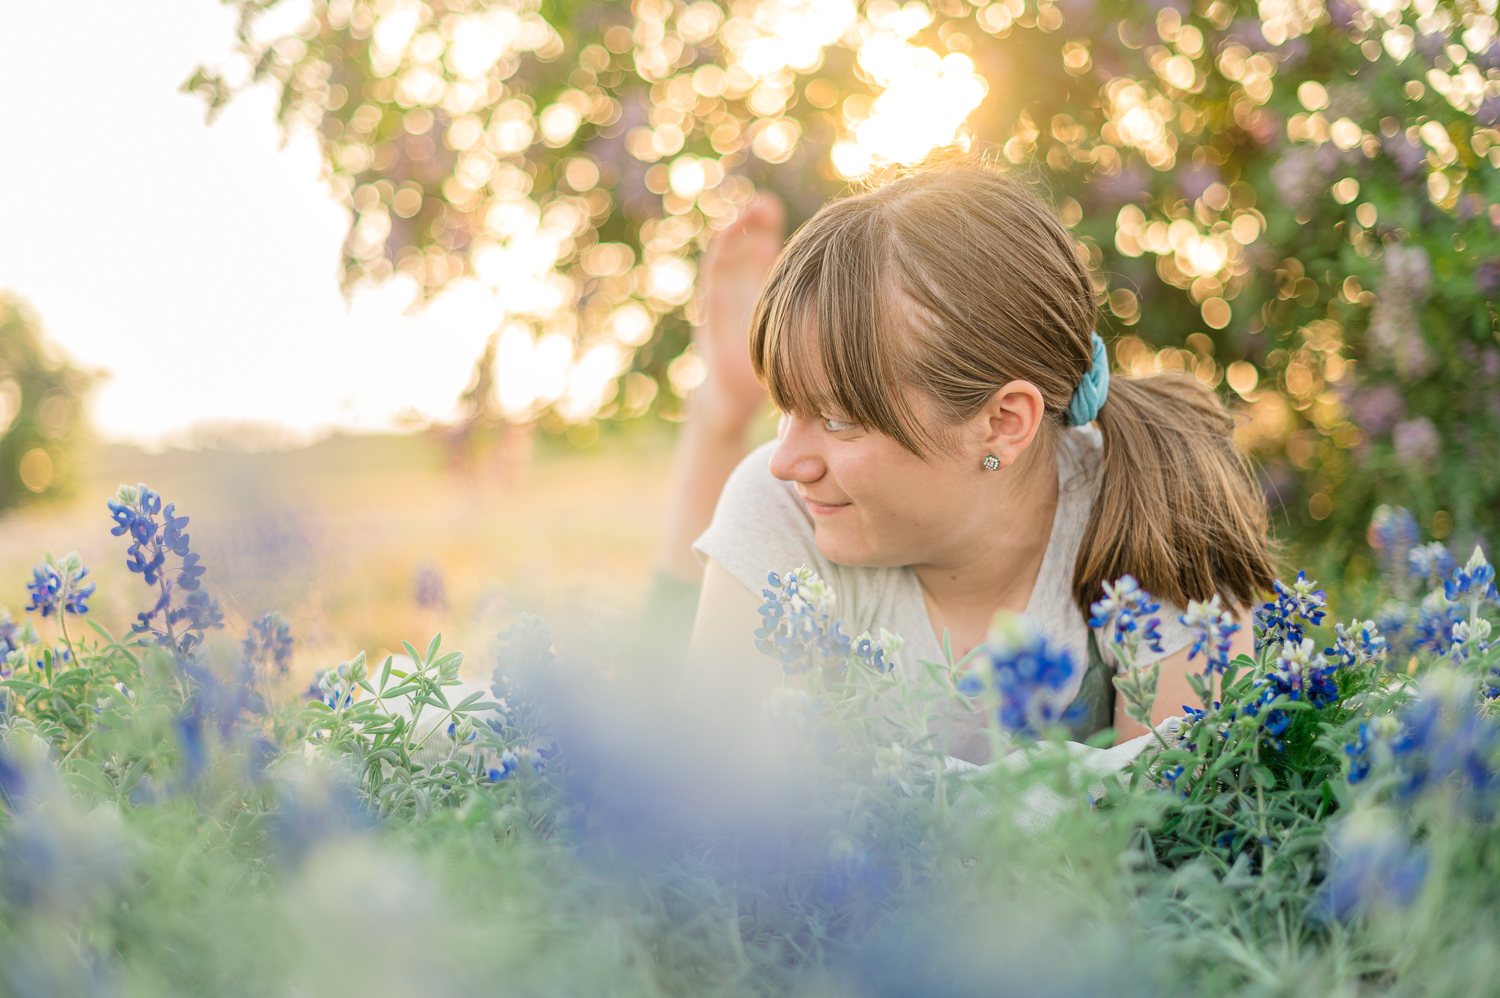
column 1178, row 506
column 957, row 279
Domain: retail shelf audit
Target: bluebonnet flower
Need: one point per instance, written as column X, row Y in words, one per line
column 1298, row 674
column 178, row 626
column 462, row 730
column 1435, row 619
column 1124, row 603
column 1443, row 735
column 851, row 874
column 1358, row 752
column 1372, row 862
column 797, row 627
column 1026, row 672
column 508, row 764
column 1393, row 534
column 13, row 636
column 1431, row 562
column 1372, row 744
column 269, row 642
column 1213, row 629
column 878, row 653
column 1293, row 607
column 1359, row 644
column 1301, row 673
column 336, row 686
column 1391, row 620
column 57, row 585
column 428, row 589
column 1475, row 582
column 312, row 807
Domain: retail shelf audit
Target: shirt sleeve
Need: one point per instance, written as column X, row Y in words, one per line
column 760, row 526
column 1174, row 638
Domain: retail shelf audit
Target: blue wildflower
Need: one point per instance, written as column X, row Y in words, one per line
column 11, row 638
column 1393, row 534
column 1213, row 629
column 178, row 626
column 1123, row 606
column 314, row 807
column 57, row 585
column 1443, row 735
column 1357, row 645
column 851, row 875
column 1358, row 752
column 797, row 626
column 269, row 642
column 1293, row 607
column 1026, row 673
column 428, row 589
column 336, row 686
column 1297, row 674
column 1372, row 863
column 878, row 653
column 1391, row 620
column 1430, row 562
column 1435, row 619
column 508, row 763
column 1474, row 582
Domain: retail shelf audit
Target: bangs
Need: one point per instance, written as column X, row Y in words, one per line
column 822, row 337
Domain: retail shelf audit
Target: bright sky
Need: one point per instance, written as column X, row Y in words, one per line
column 196, row 264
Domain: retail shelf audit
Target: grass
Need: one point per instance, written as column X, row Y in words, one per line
column 333, row 534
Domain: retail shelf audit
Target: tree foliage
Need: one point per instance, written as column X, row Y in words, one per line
column 41, row 406
column 1295, row 201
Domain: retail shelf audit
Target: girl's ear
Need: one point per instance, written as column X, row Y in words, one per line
column 1011, row 419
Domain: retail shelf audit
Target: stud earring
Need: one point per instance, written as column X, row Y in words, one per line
column 991, row 462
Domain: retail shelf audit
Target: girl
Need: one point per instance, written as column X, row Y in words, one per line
column 952, row 444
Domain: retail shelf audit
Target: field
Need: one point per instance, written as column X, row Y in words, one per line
column 178, row 818
column 335, row 534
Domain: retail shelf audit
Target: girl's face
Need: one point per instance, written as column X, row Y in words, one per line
column 876, row 504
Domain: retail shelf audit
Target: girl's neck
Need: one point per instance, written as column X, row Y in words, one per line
column 996, row 566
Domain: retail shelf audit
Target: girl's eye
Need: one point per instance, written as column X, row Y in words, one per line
column 836, row 426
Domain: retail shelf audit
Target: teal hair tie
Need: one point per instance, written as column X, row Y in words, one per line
column 1089, row 397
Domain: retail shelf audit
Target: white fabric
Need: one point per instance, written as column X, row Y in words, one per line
column 760, row 526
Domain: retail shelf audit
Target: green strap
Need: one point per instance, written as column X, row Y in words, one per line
column 1095, row 702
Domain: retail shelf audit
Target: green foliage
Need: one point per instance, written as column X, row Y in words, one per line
column 41, row 404
column 172, row 822
column 1297, row 200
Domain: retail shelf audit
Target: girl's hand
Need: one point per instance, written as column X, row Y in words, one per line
column 733, row 272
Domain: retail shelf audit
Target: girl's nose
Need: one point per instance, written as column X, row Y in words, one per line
column 797, row 458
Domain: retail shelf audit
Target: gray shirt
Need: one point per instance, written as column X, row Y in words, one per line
column 760, row 526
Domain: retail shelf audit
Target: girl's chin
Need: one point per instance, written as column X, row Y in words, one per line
column 842, row 549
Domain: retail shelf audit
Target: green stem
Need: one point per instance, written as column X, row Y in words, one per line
column 62, row 628
column 76, row 747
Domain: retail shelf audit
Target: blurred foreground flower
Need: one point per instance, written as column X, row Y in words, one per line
column 1026, row 674
column 1372, row 862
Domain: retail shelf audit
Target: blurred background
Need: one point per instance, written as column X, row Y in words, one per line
column 394, row 297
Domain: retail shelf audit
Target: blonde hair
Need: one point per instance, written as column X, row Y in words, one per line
column 956, row 280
